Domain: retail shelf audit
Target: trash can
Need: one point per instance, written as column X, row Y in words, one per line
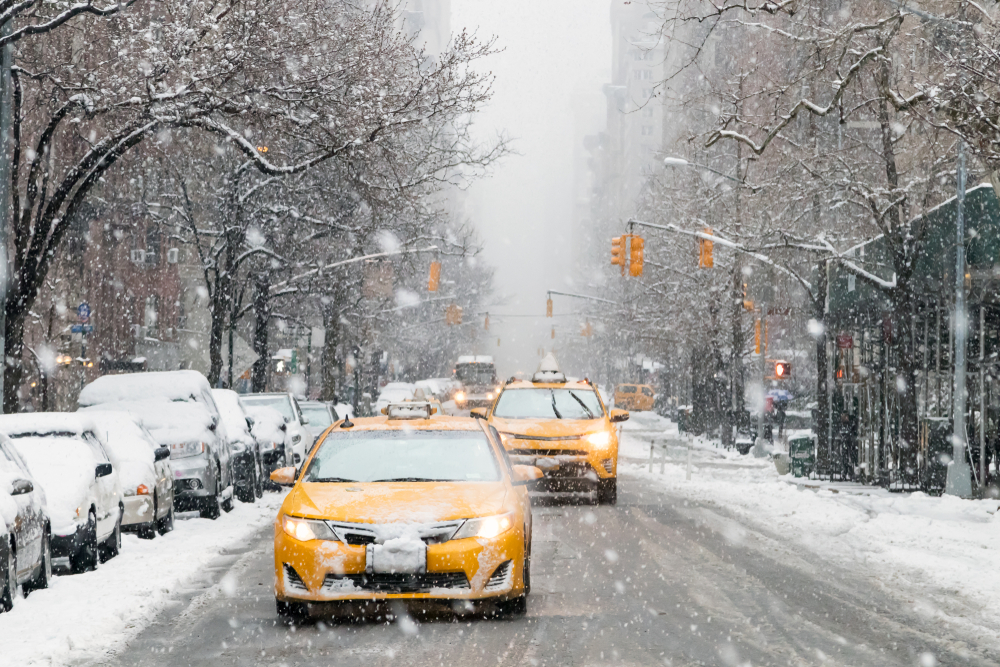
column 802, row 451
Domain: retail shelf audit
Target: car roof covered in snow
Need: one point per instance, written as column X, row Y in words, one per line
column 169, row 422
column 477, row 359
column 189, row 386
column 44, row 423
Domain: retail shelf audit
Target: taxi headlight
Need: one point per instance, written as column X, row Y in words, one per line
column 486, row 527
column 460, row 397
column 305, row 530
column 599, row 439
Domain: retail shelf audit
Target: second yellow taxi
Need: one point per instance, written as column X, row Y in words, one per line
column 412, row 506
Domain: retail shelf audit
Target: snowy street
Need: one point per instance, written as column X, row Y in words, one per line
column 716, row 570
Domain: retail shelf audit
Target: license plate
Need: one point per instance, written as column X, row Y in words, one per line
column 396, row 557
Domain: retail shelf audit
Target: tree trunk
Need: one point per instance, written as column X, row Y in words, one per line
column 331, row 363
column 822, row 369
column 906, row 380
column 13, row 353
column 219, row 312
column 262, row 315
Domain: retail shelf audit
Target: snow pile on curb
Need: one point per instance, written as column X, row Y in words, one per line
column 938, row 552
column 82, row 616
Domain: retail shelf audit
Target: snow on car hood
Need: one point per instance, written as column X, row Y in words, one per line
column 64, row 467
column 395, row 502
column 549, row 428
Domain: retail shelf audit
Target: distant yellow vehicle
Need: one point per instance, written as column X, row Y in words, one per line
column 406, row 506
column 638, row 397
column 561, row 427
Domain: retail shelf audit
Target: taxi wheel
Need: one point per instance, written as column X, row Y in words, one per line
column 513, row 608
column 291, row 612
column 607, row 491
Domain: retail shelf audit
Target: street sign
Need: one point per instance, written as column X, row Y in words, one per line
column 82, row 328
column 83, row 312
column 844, row 341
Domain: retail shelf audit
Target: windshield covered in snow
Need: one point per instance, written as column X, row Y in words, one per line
column 404, row 456
column 279, row 403
column 548, row 404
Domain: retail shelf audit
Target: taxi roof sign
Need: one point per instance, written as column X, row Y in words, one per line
column 548, row 370
column 409, row 410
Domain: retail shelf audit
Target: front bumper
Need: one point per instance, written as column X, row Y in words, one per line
column 474, row 401
column 138, row 509
column 194, row 482
column 65, row 546
column 243, row 466
column 574, row 463
column 468, row 569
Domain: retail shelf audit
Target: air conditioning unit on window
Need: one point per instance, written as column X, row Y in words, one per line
column 138, row 256
column 173, row 255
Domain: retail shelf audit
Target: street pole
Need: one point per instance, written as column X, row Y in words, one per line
column 759, row 448
column 6, row 169
column 959, row 480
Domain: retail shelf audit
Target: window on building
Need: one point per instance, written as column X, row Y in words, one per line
column 151, row 315
column 647, row 130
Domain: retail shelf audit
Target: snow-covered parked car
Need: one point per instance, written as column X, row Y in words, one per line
column 199, row 457
column 270, row 432
column 394, row 392
column 174, row 386
column 145, row 471
column 68, row 458
column 25, row 534
column 246, row 455
column 300, row 438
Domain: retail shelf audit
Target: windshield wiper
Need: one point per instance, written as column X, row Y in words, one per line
column 407, row 479
column 332, row 479
column 554, row 408
column 590, row 415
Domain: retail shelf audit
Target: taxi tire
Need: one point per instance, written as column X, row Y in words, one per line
column 291, row 612
column 607, row 491
column 513, row 608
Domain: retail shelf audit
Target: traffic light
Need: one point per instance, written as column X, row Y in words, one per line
column 553, row 332
column 756, row 337
column 705, row 260
column 486, row 324
column 548, row 307
column 782, row 370
column 636, row 256
column 618, row 251
column 587, row 330
column 435, row 277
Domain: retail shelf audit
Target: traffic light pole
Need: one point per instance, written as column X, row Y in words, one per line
column 759, row 448
column 581, row 296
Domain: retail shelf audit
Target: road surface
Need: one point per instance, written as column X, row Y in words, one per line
column 653, row 581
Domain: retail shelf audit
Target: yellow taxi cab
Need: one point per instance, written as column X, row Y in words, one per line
column 561, row 427
column 409, row 506
column 634, row 397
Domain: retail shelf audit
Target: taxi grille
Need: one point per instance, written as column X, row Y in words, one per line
column 529, row 451
column 501, row 577
column 396, row 583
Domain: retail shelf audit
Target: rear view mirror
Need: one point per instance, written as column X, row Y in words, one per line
column 21, row 486
column 161, row 453
column 619, row 415
column 526, row 475
column 478, row 413
column 103, row 470
column 284, row 476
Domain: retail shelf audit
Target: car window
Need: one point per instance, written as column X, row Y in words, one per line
column 503, row 451
column 318, row 416
column 647, row 391
column 541, row 403
column 96, row 446
column 12, row 454
column 416, row 456
column 626, row 390
column 279, row 403
column 8, row 464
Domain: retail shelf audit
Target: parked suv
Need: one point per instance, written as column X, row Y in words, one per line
column 24, row 516
column 300, row 438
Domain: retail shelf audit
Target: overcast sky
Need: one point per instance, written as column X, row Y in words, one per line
column 557, row 55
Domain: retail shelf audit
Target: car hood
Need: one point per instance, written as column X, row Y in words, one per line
column 395, row 502
column 549, row 428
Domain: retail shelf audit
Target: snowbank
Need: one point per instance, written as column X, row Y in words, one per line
column 81, row 617
column 939, row 554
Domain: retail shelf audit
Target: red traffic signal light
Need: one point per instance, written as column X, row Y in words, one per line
column 636, row 256
column 705, row 246
column 434, row 279
column 782, row 370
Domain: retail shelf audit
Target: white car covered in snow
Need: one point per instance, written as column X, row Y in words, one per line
column 145, row 471
column 200, row 458
column 68, row 457
column 300, row 438
column 247, row 475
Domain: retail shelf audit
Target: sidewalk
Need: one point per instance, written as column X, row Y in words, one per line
column 850, row 488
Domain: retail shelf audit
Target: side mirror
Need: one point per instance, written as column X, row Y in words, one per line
column 526, row 475
column 250, row 423
column 214, row 425
column 161, row 453
column 103, row 470
column 21, row 486
column 478, row 413
column 304, row 421
column 619, row 415
column 284, row 476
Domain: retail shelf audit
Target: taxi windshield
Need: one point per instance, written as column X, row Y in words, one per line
column 404, row 456
column 542, row 403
